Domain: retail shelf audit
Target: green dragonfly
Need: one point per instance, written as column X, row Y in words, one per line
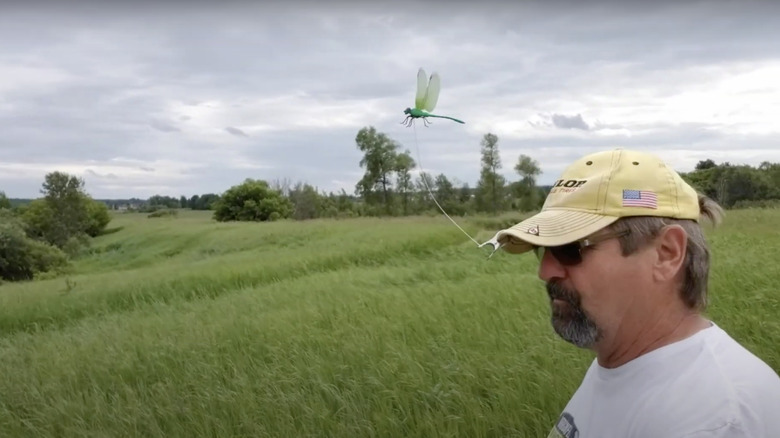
column 425, row 100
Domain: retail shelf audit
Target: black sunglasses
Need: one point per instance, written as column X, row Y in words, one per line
column 571, row 253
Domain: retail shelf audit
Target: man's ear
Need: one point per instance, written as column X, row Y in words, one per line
column 670, row 246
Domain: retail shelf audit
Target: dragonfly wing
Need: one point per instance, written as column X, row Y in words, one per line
column 432, row 96
column 422, row 89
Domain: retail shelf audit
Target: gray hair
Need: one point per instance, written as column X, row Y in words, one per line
column 643, row 229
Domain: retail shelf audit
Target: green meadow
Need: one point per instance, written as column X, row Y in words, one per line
column 185, row 327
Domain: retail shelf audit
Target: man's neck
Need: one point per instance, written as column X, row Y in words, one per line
column 632, row 341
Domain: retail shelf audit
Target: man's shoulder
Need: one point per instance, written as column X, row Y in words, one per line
column 709, row 356
column 733, row 362
column 723, row 385
column 708, row 382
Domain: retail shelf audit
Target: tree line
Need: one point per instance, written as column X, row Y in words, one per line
column 388, row 188
column 44, row 234
column 157, row 202
column 737, row 186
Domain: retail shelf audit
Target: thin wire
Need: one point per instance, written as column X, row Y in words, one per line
column 425, row 180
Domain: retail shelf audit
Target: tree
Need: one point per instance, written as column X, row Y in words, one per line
column 447, row 195
column 66, row 211
column 465, row 196
column 525, row 189
column 283, row 186
column 705, row 164
column 4, row 201
column 193, row 201
column 380, row 160
column 423, row 183
column 403, row 167
column 345, row 204
column 306, row 201
column 490, row 188
column 528, row 169
column 202, row 202
column 54, row 226
column 67, row 199
column 742, row 183
column 328, row 205
column 729, row 184
column 159, row 201
column 772, row 173
column 253, row 200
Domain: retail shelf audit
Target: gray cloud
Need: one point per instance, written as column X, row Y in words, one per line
column 569, row 122
column 235, row 131
column 164, row 127
column 91, row 172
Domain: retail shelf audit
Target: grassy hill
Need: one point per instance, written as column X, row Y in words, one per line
column 183, row 327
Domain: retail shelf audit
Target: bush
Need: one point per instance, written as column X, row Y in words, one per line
column 22, row 257
column 151, row 208
column 39, row 221
column 98, row 218
column 76, row 244
column 253, row 200
column 163, row 213
column 46, row 258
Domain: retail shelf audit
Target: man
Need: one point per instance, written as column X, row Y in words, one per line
column 626, row 265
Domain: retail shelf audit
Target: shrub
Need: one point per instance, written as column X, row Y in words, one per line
column 76, row 244
column 165, row 212
column 253, row 200
column 22, row 257
column 98, row 218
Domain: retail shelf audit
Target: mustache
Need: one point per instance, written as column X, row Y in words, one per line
column 557, row 291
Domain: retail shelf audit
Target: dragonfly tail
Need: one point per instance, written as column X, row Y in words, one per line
column 447, row 117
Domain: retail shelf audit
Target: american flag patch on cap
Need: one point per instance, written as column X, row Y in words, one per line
column 640, row 198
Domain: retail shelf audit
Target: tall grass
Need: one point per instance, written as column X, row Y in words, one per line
column 366, row 327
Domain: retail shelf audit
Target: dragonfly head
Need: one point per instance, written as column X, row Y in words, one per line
column 408, row 111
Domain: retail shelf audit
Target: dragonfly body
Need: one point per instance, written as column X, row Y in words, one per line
column 425, row 100
column 414, row 113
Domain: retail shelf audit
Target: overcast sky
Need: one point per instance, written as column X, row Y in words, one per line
column 183, row 99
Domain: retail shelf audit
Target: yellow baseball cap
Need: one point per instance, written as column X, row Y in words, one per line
column 597, row 190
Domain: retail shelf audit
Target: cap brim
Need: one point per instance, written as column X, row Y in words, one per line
column 552, row 227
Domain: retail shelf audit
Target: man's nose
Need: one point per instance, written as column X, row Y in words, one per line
column 550, row 267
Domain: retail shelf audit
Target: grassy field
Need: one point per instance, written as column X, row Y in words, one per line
column 183, row 327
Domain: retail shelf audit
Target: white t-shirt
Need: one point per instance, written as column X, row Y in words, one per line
column 707, row 385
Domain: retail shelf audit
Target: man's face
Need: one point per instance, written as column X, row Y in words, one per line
column 591, row 300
